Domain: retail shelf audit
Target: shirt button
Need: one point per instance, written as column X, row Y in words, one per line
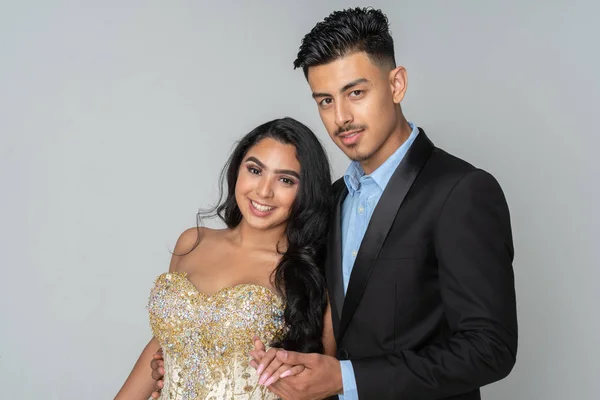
column 361, row 210
column 354, row 253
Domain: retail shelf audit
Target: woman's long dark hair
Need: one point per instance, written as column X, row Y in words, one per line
column 299, row 274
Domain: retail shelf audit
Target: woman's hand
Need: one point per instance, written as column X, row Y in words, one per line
column 268, row 367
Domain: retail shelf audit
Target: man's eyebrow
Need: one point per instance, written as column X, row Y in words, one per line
column 343, row 89
column 353, row 83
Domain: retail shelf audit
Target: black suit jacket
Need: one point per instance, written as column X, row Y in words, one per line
column 430, row 308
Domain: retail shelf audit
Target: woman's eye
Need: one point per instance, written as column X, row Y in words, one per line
column 254, row 170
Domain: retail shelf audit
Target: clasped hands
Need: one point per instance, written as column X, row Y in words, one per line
column 308, row 376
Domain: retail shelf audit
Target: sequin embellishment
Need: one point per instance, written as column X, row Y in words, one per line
column 206, row 338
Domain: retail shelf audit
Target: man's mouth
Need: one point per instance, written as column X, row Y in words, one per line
column 350, row 137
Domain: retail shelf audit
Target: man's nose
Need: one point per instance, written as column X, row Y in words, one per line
column 343, row 116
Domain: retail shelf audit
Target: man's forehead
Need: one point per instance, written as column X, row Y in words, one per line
column 341, row 71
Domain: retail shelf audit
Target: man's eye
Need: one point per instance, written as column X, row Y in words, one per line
column 325, row 102
column 356, row 93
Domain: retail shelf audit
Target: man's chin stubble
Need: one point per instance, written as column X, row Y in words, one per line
column 358, row 157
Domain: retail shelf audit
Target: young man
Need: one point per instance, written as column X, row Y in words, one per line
column 419, row 269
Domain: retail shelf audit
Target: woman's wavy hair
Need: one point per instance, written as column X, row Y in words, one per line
column 299, row 275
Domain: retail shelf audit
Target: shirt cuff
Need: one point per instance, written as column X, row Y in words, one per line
column 349, row 381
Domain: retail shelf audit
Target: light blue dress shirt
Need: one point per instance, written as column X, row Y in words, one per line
column 364, row 192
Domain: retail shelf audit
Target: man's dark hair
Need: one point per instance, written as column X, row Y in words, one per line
column 344, row 32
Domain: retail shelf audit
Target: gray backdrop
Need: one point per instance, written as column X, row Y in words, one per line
column 116, row 117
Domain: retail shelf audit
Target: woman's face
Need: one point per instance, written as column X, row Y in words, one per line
column 267, row 184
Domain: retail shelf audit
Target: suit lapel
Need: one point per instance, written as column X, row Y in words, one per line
column 380, row 224
column 333, row 274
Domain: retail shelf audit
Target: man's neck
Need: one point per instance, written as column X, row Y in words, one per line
column 393, row 143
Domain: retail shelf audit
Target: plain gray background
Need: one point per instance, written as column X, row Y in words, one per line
column 117, row 116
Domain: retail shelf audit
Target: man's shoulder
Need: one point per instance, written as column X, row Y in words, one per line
column 448, row 163
column 444, row 167
column 440, row 164
column 446, row 170
column 440, row 160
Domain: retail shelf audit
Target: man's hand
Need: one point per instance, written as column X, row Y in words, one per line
column 268, row 367
column 321, row 378
column 158, row 371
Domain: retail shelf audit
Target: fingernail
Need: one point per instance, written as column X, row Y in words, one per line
column 284, row 353
column 286, row 373
column 262, row 379
column 260, row 369
column 269, row 381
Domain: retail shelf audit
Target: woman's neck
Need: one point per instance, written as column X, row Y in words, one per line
column 267, row 239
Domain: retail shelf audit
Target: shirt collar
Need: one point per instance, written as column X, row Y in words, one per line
column 382, row 175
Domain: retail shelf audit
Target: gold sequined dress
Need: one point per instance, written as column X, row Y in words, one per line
column 206, row 338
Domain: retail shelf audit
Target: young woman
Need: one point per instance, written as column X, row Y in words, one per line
column 260, row 277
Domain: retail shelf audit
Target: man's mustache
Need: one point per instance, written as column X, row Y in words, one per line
column 350, row 127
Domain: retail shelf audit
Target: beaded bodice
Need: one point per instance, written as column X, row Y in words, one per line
column 206, row 338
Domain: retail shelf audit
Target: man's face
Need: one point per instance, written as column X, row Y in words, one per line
column 357, row 102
